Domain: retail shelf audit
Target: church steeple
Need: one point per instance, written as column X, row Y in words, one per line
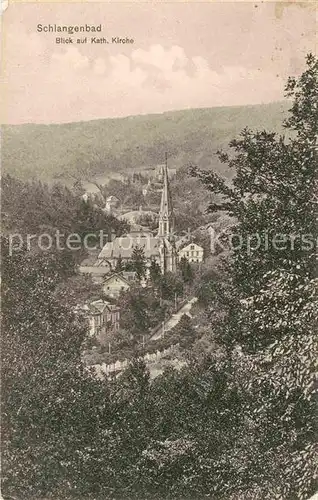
column 166, row 218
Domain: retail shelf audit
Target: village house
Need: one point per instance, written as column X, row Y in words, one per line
column 119, row 282
column 112, row 202
column 96, row 269
column 101, row 316
column 192, row 252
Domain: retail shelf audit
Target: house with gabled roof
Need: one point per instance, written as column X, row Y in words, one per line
column 101, row 316
column 192, row 252
column 111, row 203
column 96, row 269
column 117, row 283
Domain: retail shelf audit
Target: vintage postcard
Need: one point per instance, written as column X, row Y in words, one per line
column 159, row 238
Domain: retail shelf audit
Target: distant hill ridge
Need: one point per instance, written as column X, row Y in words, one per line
column 93, row 148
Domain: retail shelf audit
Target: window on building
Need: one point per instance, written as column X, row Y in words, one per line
column 192, row 247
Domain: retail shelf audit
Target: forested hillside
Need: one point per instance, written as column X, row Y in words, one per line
column 35, row 208
column 97, row 147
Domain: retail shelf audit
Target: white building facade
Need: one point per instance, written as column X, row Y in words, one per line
column 192, row 252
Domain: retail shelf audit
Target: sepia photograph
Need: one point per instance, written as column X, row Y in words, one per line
column 159, row 250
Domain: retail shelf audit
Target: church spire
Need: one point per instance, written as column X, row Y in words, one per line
column 166, row 221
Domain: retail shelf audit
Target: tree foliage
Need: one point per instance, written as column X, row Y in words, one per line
column 137, row 262
column 48, row 401
column 270, row 298
column 35, row 208
column 186, row 270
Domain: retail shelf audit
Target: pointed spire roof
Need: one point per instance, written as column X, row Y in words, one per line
column 166, row 208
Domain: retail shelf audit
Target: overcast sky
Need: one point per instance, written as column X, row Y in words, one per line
column 185, row 55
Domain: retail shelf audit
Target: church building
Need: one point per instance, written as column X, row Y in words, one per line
column 168, row 254
column 160, row 248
